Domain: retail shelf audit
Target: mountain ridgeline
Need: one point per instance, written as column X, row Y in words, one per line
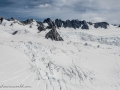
column 66, row 24
column 57, row 24
column 75, row 24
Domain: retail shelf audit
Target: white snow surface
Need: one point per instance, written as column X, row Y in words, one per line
column 85, row 60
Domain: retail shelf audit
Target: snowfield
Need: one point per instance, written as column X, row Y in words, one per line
column 85, row 60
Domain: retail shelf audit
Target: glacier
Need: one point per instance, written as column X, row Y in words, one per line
column 85, row 60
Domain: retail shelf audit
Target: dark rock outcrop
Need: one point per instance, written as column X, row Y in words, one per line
column 114, row 24
column 58, row 23
column 90, row 23
column 30, row 26
column 14, row 32
column 67, row 23
column 49, row 22
column 53, row 34
column 119, row 26
column 71, row 24
column 76, row 24
column 11, row 19
column 28, row 21
column 85, row 26
column 1, row 19
column 101, row 25
column 41, row 26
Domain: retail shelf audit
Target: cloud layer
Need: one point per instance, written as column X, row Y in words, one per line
column 90, row 10
column 43, row 6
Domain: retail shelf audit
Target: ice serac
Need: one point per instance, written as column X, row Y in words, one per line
column 53, row 34
column 101, row 25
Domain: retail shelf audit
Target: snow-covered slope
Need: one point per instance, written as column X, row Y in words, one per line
column 85, row 60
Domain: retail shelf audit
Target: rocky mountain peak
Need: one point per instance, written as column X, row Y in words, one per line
column 28, row 21
column 11, row 19
column 101, row 25
column 53, row 34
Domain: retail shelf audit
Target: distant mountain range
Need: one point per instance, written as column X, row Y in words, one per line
column 66, row 24
column 57, row 24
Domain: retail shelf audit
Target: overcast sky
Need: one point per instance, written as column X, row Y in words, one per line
column 89, row 10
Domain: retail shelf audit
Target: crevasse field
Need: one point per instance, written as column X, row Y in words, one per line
column 85, row 60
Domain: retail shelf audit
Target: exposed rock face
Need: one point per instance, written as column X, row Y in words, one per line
column 11, row 19
column 30, row 26
column 1, row 20
column 67, row 23
column 101, row 24
column 53, row 34
column 71, row 24
column 85, row 26
column 90, row 23
column 59, row 23
column 28, row 21
column 41, row 26
column 76, row 24
column 14, row 32
column 14, row 21
column 49, row 22
column 114, row 24
column 119, row 26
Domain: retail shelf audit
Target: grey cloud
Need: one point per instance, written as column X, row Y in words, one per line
column 90, row 10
